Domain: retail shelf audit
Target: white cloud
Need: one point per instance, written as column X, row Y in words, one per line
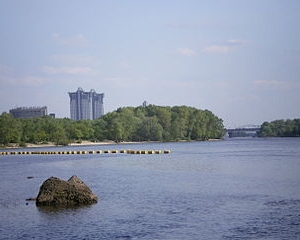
column 225, row 47
column 70, row 64
column 68, row 70
column 34, row 81
column 11, row 78
column 77, row 40
column 4, row 69
column 125, row 65
column 235, row 42
column 16, row 81
column 275, row 84
column 72, row 59
column 186, row 52
column 216, row 49
column 133, row 83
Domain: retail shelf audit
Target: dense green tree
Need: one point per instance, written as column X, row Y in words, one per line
column 164, row 116
column 296, row 128
column 180, row 123
column 10, row 129
column 151, row 123
column 280, row 128
column 100, row 126
column 150, row 130
column 128, row 123
column 59, row 136
column 28, row 131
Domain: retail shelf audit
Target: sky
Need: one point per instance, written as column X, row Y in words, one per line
column 239, row 59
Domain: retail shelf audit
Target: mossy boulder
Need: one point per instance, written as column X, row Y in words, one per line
column 59, row 193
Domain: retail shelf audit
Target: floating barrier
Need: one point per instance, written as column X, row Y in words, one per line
column 128, row 151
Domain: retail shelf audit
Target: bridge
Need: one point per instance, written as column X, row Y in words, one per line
column 249, row 130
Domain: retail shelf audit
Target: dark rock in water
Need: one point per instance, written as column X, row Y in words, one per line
column 60, row 193
column 31, row 199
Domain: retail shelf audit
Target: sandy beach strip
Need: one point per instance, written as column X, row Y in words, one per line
column 83, row 143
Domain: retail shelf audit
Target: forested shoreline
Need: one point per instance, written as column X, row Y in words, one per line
column 150, row 123
column 280, row 128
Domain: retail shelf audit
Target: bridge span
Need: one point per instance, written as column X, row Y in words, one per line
column 244, row 131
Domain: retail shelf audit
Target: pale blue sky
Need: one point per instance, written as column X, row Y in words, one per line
column 239, row 59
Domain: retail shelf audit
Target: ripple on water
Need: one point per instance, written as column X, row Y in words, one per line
column 278, row 219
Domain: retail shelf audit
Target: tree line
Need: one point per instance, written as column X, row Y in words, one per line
column 280, row 128
column 150, row 123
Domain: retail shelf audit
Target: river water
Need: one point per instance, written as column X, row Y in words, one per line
column 247, row 188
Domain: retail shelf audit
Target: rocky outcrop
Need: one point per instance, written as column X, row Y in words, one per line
column 60, row 193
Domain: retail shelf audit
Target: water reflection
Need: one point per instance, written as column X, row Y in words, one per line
column 60, row 209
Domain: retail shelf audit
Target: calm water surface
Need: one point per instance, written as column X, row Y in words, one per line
column 232, row 189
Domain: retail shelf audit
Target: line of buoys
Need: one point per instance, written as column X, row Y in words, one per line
column 148, row 151
column 129, row 151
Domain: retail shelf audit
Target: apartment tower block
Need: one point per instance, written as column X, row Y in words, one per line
column 86, row 105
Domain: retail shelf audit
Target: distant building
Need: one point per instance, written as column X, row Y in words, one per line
column 145, row 104
column 86, row 105
column 28, row 112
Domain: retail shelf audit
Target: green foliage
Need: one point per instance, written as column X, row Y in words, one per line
column 10, row 129
column 151, row 123
column 281, row 128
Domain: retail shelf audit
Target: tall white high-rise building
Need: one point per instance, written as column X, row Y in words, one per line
column 86, row 105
